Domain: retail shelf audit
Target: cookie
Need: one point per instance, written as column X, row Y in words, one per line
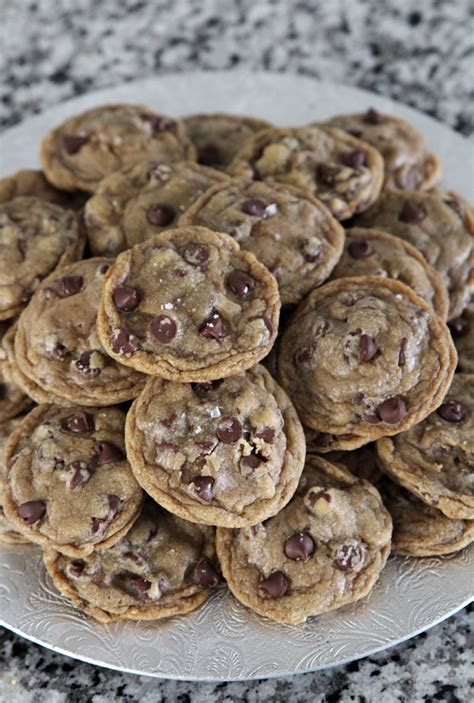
column 462, row 330
column 422, row 531
column 34, row 183
column 7, row 534
column 441, row 226
column 134, row 204
column 371, row 252
column 13, row 400
column 344, row 172
column 288, row 230
column 434, row 459
column 56, row 344
column 36, row 237
column 226, row 453
column 69, row 484
column 88, row 147
column 325, row 549
column 188, row 305
column 409, row 164
column 163, row 566
column 218, row 137
column 365, row 358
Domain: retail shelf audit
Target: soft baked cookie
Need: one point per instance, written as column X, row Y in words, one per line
column 57, row 346
column 462, row 330
column 7, row 533
column 287, row 229
column 13, row 400
column 345, row 173
column 409, row 164
column 69, row 484
column 226, row 453
column 188, row 305
column 33, row 183
column 371, row 252
column 163, row 566
column 36, row 237
column 435, row 458
column 365, row 357
column 441, row 226
column 84, row 149
column 218, row 137
column 325, row 549
column 134, row 204
column 420, row 530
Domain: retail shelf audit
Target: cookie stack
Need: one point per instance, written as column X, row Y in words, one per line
column 232, row 346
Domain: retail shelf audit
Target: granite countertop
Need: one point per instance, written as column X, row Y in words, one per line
column 417, row 52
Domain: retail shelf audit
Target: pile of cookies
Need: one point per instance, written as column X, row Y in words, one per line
column 229, row 354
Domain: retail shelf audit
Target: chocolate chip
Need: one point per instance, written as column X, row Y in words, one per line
column 32, row 511
column 267, row 434
column 255, row 207
column 83, row 364
column 73, row 143
column 318, row 495
column 240, row 283
column 160, row 215
column 372, row 116
column 360, row 248
column 323, row 439
column 402, row 352
column 354, row 159
column 213, row 327
column 124, row 343
column 196, row 254
column 163, row 329
column 251, row 462
column 108, row 453
column 115, row 505
column 412, row 212
column 275, row 586
column 81, row 423
column 268, row 324
column 81, row 475
column 452, row 411
column 229, row 430
column 392, row 410
column 304, row 355
column 355, row 132
column 311, row 251
column 132, row 585
column 125, row 298
column 368, row 348
column 203, row 486
column 203, row 389
column 299, row 547
column 209, row 155
column 206, row 575
column 3, row 391
column 103, row 268
column 77, row 567
column 327, row 173
column 459, row 327
column 157, row 122
column 348, row 556
column 69, row 285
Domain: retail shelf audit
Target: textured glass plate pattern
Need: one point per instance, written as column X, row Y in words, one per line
column 223, row 640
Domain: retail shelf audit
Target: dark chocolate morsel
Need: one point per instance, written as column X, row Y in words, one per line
column 196, row 254
column 202, row 389
column 203, row 486
column 254, row 207
column 124, row 343
column 229, row 430
column 69, row 285
column 452, row 411
column 348, row 556
column 360, row 248
column 73, row 143
column 299, row 547
column 275, row 586
column 372, row 116
column 412, row 212
column 32, row 511
column 163, row 329
column 132, row 585
column 368, row 348
column 353, row 159
column 125, row 298
column 267, row 434
column 402, row 351
column 108, row 453
column 327, row 173
column 83, row 364
column 392, row 410
column 160, row 215
column 206, row 574
column 81, row 423
column 213, row 327
column 240, row 283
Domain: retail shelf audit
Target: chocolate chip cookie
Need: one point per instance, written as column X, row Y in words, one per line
column 420, row 530
column 371, row 252
column 441, row 226
column 134, row 204
column 226, row 453
column 188, row 305
column 435, row 458
column 33, row 183
column 288, row 230
column 218, row 137
column 13, row 400
column 163, row 566
column 57, row 346
column 325, row 549
column 344, row 172
column 36, row 237
column 409, row 164
column 462, row 330
column 365, row 358
column 7, row 533
column 88, row 147
column 69, row 484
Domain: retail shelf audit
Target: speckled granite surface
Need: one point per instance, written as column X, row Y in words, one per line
column 417, row 52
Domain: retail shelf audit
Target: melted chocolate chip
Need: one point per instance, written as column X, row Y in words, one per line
column 452, row 411
column 402, row 352
column 268, row 324
column 203, row 486
column 69, row 285
column 368, row 348
column 196, row 254
column 73, row 143
column 229, row 430
column 360, row 248
column 157, row 123
column 160, row 215
column 214, row 327
column 125, row 298
column 203, row 389
column 323, row 439
column 251, row 462
column 206, row 575
column 392, row 410
column 80, row 423
column 240, row 283
column 299, row 547
column 108, row 453
column 327, row 173
column 77, row 567
column 32, row 511
column 132, row 585
column 83, row 364
column 163, row 329
column 81, row 475
column 304, row 355
column 267, row 434
column 124, row 343
column 275, row 586
column 354, row 159
column 348, row 556
column 372, row 116
column 318, row 495
column 412, row 212
column 255, row 207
